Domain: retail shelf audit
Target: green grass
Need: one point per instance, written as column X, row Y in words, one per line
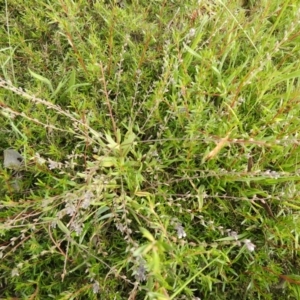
column 161, row 149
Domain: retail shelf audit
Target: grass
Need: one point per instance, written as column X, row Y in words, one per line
column 160, row 145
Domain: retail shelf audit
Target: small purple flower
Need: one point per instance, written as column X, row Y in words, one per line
column 54, row 224
column 140, row 271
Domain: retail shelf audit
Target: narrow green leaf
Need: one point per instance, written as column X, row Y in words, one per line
column 63, row 228
column 147, row 234
column 42, row 79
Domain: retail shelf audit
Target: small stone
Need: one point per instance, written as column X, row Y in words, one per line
column 12, row 159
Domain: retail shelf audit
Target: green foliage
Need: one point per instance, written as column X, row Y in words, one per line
column 160, row 146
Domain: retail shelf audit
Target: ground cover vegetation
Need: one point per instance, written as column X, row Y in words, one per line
column 160, row 149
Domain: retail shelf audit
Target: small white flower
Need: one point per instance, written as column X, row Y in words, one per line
column 96, row 287
column 233, row 234
column 77, row 227
column 120, row 227
column 70, row 209
column 180, row 231
column 15, row 272
column 192, row 32
column 87, row 198
column 39, row 159
column 54, row 164
column 250, row 246
column 95, row 149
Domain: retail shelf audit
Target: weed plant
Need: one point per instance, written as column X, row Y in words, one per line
column 160, row 145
